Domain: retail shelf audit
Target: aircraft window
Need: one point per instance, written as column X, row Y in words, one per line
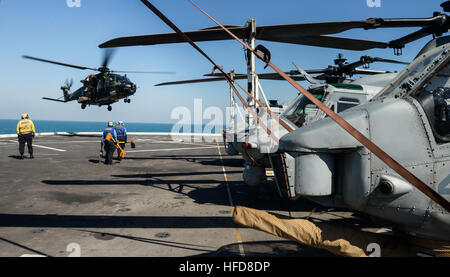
column 101, row 85
column 435, row 100
column 409, row 78
column 346, row 103
column 302, row 109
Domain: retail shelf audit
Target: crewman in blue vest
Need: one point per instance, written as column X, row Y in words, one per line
column 109, row 145
column 121, row 136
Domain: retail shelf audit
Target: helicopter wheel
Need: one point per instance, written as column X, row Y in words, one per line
column 129, row 100
column 83, row 106
column 109, row 108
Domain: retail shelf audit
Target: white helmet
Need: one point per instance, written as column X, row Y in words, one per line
column 110, row 124
column 120, row 123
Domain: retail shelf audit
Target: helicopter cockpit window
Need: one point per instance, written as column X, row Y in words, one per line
column 413, row 75
column 303, row 109
column 435, row 100
column 346, row 103
column 101, row 86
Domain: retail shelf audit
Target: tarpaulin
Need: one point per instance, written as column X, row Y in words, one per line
column 339, row 240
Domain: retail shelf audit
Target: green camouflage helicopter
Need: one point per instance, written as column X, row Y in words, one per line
column 104, row 88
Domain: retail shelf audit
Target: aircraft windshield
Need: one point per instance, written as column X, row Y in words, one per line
column 296, row 112
column 434, row 96
column 122, row 79
column 415, row 74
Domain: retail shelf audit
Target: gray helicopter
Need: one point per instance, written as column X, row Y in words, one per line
column 409, row 118
column 333, row 85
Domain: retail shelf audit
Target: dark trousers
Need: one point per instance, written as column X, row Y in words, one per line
column 28, row 138
column 109, row 149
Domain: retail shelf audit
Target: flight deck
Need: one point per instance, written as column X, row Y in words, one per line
column 167, row 198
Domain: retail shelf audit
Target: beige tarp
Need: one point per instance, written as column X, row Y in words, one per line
column 341, row 241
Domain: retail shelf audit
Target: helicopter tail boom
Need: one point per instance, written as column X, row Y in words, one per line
column 52, row 99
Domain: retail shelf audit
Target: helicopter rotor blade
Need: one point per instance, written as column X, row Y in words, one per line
column 294, row 38
column 313, row 34
column 107, row 56
column 308, row 77
column 364, row 71
column 193, row 81
column 143, row 72
column 58, row 63
column 376, row 59
column 263, row 76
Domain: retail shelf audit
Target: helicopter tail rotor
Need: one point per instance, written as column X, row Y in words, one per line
column 68, row 84
column 66, row 89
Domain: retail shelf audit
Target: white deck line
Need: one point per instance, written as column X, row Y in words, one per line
column 129, row 133
column 169, row 149
column 45, row 147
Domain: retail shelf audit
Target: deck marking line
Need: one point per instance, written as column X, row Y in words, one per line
column 170, row 149
column 238, row 234
column 45, row 147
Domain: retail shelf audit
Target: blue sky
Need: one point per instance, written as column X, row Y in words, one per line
column 50, row 29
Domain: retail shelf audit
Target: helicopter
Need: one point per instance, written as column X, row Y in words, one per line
column 101, row 89
column 334, row 86
column 339, row 160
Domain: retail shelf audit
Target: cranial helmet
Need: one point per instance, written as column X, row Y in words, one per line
column 24, row 116
column 110, row 124
column 120, row 123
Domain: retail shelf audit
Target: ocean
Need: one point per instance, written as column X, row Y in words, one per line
column 8, row 126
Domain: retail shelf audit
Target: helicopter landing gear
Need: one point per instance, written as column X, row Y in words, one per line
column 127, row 100
column 83, row 106
column 109, row 108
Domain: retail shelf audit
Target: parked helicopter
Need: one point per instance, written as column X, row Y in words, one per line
column 339, row 160
column 333, row 86
column 104, row 88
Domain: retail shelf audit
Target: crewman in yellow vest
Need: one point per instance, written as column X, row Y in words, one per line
column 25, row 132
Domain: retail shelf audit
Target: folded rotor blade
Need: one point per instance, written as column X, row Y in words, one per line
column 305, row 33
column 264, row 76
column 210, row 34
column 308, row 77
column 389, row 61
column 401, row 42
column 193, row 81
column 329, row 42
column 370, row 72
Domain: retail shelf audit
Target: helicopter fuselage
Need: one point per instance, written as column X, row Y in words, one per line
column 102, row 89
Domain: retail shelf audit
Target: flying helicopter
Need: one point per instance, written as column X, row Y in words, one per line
column 101, row 89
column 340, row 160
